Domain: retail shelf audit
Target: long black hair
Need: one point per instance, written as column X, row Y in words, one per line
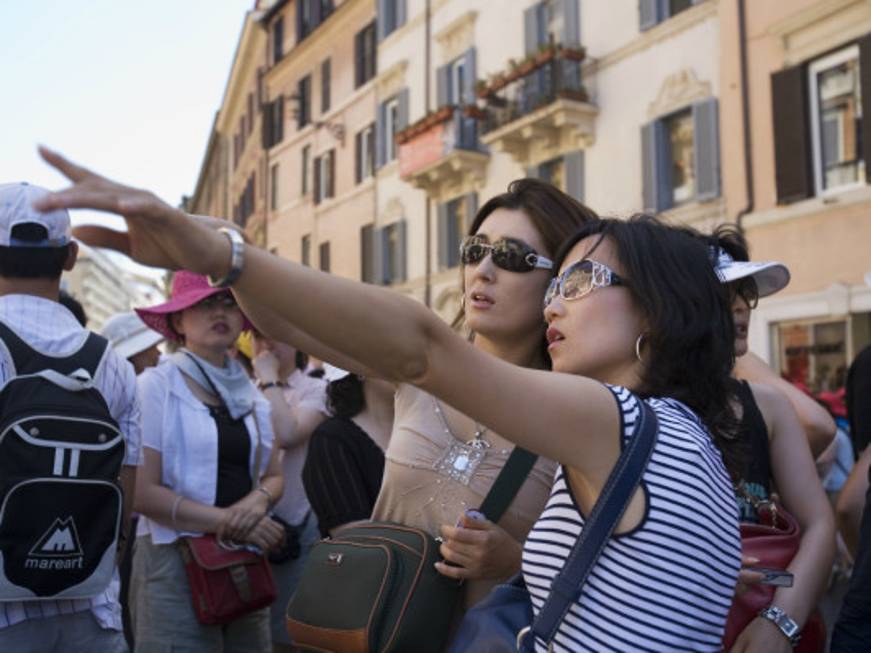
column 689, row 342
column 345, row 396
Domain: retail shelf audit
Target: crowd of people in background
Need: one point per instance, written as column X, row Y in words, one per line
column 284, row 405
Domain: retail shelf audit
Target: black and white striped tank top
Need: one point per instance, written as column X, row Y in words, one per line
column 666, row 585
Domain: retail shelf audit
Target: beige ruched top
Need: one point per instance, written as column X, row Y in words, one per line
column 413, row 493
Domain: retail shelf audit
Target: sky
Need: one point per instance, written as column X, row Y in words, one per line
column 124, row 87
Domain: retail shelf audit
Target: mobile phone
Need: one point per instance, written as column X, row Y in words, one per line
column 776, row 577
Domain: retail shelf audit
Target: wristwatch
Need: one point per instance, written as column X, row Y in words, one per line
column 237, row 258
column 782, row 620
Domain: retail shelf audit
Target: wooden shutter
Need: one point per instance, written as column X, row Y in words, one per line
column 402, row 110
column 706, row 149
column 278, row 118
column 300, row 35
column 865, row 85
column 654, row 166
column 792, row 150
column 367, row 252
column 381, row 136
column 265, row 129
column 331, row 166
column 401, row 249
column 379, row 272
column 317, row 187
column 469, row 218
column 530, row 29
column 573, row 165
column 358, row 157
column 469, row 63
column 358, row 59
column 443, row 236
column 569, row 12
column 381, row 19
column 401, row 13
column 649, row 14
column 443, row 86
column 325, row 85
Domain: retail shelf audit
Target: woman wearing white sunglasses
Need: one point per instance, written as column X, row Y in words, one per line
column 663, row 336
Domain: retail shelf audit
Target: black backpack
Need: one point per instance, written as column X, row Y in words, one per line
column 60, row 457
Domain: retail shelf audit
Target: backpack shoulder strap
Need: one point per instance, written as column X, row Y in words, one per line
column 28, row 360
column 19, row 351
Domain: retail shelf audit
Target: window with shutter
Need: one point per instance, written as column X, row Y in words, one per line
column 453, row 218
column 305, row 248
column 392, row 124
column 653, row 12
column 391, row 16
column 324, row 257
column 277, row 40
column 364, row 155
column 331, row 173
column 365, row 48
column 836, row 121
column 681, row 157
column 303, row 98
column 273, row 187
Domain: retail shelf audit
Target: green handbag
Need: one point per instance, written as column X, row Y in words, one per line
column 373, row 587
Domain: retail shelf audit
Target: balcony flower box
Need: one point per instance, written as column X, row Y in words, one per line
column 425, row 124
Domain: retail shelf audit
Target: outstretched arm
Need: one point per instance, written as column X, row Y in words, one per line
column 398, row 338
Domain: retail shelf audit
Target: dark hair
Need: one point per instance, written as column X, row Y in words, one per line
column 730, row 238
column 554, row 214
column 74, row 306
column 21, row 262
column 689, row 341
column 345, row 397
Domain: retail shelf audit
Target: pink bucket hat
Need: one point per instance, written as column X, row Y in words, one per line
column 188, row 289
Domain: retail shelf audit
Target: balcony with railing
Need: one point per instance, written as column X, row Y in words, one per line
column 442, row 150
column 539, row 107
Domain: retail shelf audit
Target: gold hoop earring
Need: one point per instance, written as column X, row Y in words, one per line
column 638, row 348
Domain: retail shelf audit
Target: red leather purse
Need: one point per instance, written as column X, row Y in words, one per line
column 774, row 541
column 226, row 583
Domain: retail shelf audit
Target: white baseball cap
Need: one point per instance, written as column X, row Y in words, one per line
column 16, row 207
column 129, row 335
column 770, row 276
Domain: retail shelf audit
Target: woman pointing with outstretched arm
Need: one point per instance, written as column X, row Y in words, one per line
column 636, row 314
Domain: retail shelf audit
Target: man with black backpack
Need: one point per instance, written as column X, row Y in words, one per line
column 69, row 444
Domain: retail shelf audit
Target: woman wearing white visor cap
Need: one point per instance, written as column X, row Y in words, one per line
column 775, row 459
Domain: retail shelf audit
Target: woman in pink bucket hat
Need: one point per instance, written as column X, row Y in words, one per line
column 210, row 467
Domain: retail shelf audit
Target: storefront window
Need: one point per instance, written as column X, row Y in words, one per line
column 813, row 355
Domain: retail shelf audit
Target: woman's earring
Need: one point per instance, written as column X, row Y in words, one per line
column 638, row 348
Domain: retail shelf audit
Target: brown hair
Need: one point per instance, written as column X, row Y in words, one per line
column 555, row 215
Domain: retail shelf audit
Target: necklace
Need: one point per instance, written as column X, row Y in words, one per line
column 461, row 459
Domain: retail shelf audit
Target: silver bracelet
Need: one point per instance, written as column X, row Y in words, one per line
column 237, row 259
column 270, row 500
column 175, row 504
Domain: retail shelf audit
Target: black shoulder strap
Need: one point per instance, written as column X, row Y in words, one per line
column 28, row 361
column 508, row 483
